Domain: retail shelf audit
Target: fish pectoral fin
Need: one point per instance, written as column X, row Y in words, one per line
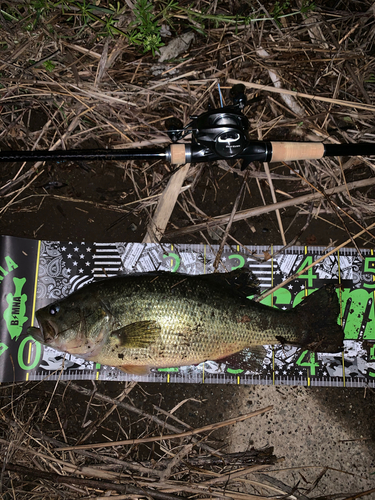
column 137, row 335
column 135, row 370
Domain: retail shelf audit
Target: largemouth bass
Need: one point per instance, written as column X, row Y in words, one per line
column 153, row 320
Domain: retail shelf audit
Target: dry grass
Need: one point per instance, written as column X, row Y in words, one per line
column 45, row 456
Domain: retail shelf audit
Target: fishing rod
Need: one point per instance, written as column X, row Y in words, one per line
column 216, row 134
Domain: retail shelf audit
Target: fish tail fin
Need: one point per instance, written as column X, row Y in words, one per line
column 318, row 314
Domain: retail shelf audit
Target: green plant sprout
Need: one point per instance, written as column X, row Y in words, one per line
column 146, row 30
column 49, row 66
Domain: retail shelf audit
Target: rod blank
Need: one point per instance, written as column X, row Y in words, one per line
column 83, row 154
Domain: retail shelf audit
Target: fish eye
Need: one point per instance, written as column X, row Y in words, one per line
column 54, row 309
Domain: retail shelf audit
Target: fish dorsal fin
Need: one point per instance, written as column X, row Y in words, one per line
column 137, row 335
column 245, row 281
column 135, row 370
column 241, row 281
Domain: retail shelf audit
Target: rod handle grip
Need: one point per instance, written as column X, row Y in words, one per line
column 290, row 151
column 178, row 154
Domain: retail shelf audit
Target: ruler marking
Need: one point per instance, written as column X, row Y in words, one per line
column 342, row 354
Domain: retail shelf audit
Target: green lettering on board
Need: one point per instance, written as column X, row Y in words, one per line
column 309, row 276
column 310, row 362
column 234, row 372
column 10, row 263
column 3, row 273
column 280, row 297
column 369, row 267
column 358, row 310
column 3, row 348
column 37, row 353
column 176, row 258
column 241, row 260
column 14, row 314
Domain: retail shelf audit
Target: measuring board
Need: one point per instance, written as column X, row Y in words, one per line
column 35, row 273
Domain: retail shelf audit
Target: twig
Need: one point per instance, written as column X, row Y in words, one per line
column 229, row 225
column 339, row 102
column 19, row 192
column 90, row 483
column 58, row 143
column 359, row 495
column 175, row 461
column 133, row 409
column 268, row 173
column 233, row 475
column 99, row 457
column 289, row 100
column 193, row 432
column 95, row 425
column 54, row 389
column 163, row 212
column 292, row 492
column 334, row 206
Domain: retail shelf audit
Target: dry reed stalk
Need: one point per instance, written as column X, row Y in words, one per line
column 133, row 409
column 94, row 425
column 163, row 212
column 229, row 225
column 33, row 459
column 285, row 92
column 268, row 174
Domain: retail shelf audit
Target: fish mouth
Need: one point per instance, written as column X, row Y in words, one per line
column 45, row 334
column 36, row 334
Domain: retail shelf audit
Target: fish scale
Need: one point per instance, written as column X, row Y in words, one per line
column 141, row 321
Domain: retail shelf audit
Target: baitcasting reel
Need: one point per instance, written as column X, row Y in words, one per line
column 222, row 132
